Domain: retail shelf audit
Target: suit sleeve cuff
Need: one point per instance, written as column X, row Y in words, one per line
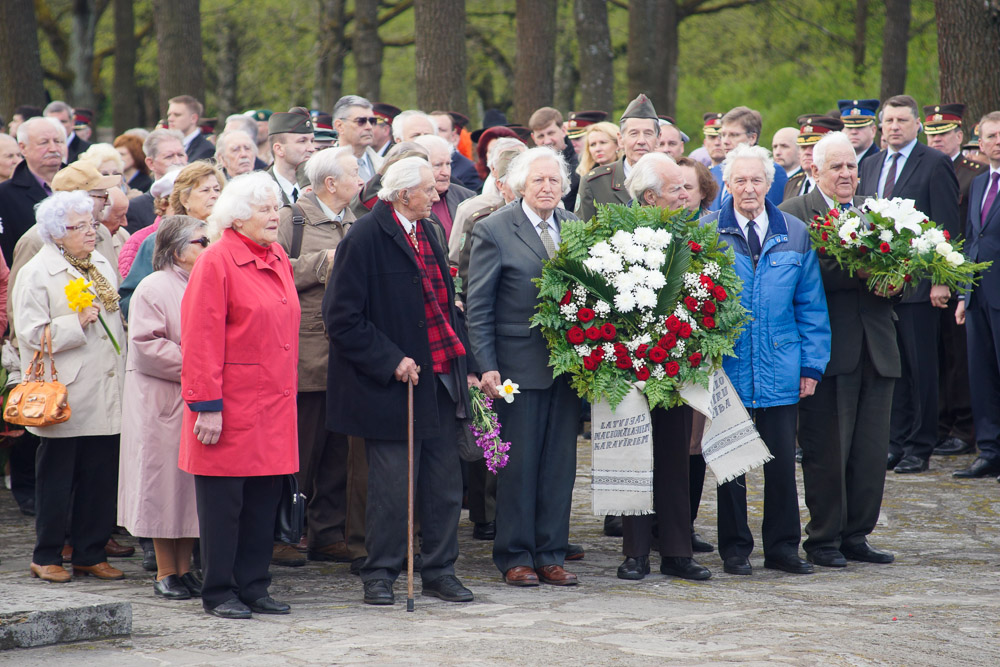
column 206, row 406
column 811, row 373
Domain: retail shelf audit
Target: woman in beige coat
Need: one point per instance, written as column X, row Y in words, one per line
column 155, row 498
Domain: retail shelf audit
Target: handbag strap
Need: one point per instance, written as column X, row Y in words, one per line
column 47, row 341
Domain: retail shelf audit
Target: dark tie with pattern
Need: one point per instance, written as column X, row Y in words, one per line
column 991, row 195
column 295, row 193
column 754, row 242
column 890, row 178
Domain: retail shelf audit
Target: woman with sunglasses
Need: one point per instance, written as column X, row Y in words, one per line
column 155, row 498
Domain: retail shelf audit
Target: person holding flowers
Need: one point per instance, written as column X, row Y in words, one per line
column 77, row 460
column 779, row 357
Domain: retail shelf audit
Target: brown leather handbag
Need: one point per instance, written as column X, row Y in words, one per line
column 36, row 402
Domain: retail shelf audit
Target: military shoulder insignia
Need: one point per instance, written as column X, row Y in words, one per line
column 597, row 172
column 482, row 213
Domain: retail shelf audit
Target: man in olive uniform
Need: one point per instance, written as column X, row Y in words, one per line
column 292, row 143
column 812, row 127
column 859, row 125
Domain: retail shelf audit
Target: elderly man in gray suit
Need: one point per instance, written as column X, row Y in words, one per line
column 534, row 490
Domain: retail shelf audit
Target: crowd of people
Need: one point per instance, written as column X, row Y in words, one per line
column 263, row 296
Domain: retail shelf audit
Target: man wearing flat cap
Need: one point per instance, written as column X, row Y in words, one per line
column 812, row 127
column 859, row 125
column 261, row 116
column 292, row 143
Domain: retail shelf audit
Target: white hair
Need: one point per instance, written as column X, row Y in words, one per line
column 830, row 140
column 503, row 144
column 432, row 141
column 400, row 121
column 246, row 123
column 222, row 143
column 24, row 128
column 407, row 173
column 240, row 196
column 98, row 154
column 327, row 163
column 151, row 145
column 517, row 172
column 52, row 213
column 745, row 151
column 646, row 174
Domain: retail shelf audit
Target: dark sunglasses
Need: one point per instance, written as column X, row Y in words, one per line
column 203, row 241
column 362, row 120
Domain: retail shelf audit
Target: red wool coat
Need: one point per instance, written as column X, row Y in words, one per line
column 239, row 353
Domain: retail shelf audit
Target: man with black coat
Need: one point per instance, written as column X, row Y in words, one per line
column 183, row 114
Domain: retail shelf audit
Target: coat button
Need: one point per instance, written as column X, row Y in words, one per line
column 287, row 346
column 415, row 279
column 287, row 392
column 190, row 392
column 420, row 324
column 284, row 300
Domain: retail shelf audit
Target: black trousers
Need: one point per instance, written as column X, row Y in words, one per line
column 982, row 325
column 236, row 520
column 438, row 499
column 323, row 471
column 844, row 435
column 954, row 399
column 781, row 530
column 913, row 430
column 22, row 468
column 76, row 481
column 696, row 483
column 482, row 492
column 671, row 500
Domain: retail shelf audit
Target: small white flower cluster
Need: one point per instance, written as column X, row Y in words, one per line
column 631, row 263
column 609, row 350
column 684, row 315
column 582, row 350
column 902, row 212
column 658, row 372
column 692, row 282
column 712, row 270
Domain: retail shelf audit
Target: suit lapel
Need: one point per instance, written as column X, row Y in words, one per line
column 912, row 163
column 526, row 232
column 385, row 220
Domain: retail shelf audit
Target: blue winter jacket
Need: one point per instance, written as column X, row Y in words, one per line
column 787, row 335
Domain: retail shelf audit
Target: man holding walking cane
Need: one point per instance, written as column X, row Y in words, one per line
column 391, row 318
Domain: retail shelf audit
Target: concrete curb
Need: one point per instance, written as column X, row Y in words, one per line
column 43, row 614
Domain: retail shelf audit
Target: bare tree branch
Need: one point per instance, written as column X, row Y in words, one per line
column 692, row 7
column 491, row 51
column 400, row 7
column 823, row 29
column 402, row 41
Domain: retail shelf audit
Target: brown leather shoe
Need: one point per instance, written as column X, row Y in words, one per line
column 336, row 552
column 303, row 545
column 101, row 571
column 67, row 553
column 287, row 555
column 112, row 548
column 522, row 575
column 57, row 574
column 556, row 576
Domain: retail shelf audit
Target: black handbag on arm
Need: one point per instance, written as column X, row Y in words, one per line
column 291, row 518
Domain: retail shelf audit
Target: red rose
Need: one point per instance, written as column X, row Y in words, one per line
column 691, row 303
column 590, row 363
column 720, row 293
column 640, row 352
column 597, row 353
column 454, row 271
column 843, row 242
column 947, row 236
column 853, row 236
column 623, row 362
column 657, row 355
column 565, row 300
column 907, row 278
column 706, row 281
column 672, row 368
column 863, row 250
column 673, row 324
column 608, row 331
column 575, row 335
column 685, row 331
column 668, row 342
column 593, row 333
column 825, row 236
column 884, row 247
column 642, row 373
column 585, row 314
column 620, row 349
column 708, row 322
column 695, row 360
column 694, row 246
column 821, row 250
column 708, row 308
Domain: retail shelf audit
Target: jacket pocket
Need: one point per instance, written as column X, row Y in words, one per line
column 240, row 396
column 786, row 357
column 516, row 329
column 783, row 269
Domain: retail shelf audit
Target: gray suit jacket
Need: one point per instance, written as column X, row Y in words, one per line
column 506, row 255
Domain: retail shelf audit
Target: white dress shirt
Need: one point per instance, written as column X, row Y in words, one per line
column 538, row 223
column 760, row 222
column 189, row 138
column 904, row 153
column 285, row 185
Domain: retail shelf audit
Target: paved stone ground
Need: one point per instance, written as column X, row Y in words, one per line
column 939, row 604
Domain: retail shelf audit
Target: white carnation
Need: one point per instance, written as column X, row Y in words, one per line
column 886, row 235
column 625, row 302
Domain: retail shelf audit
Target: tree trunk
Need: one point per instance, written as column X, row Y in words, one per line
column 20, row 57
column 124, row 104
column 367, row 49
column 969, row 56
column 227, row 65
column 81, row 54
column 597, row 77
column 536, row 57
column 178, row 37
column 439, row 28
column 652, row 29
column 329, row 66
column 860, row 35
column 895, row 43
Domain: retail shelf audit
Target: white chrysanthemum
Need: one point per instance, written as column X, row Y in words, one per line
column 602, row 308
column 634, row 253
column 934, row 236
column 955, row 258
column 623, row 283
column 920, row 246
column 645, row 298
column 654, row 259
column 625, row 302
column 582, row 350
column 644, row 235
column 621, row 240
column 600, row 249
column 655, row 279
column 886, row 235
column 645, row 339
column 661, row 239
column 613, row 263
column 595, row 264
column 943, row 249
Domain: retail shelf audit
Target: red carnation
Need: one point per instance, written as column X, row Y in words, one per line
column 668, row 342
column 454, row 271
column 708, row 308
column 565, row 300
column 672, row 368
column 843, row 242
column 590, row 363
column 597, row 353
column 821, row 250
column 720, row 293
column 691, row 303
column 825, row 236
column 593, row 333
column 623, row 362
column 657, row 355
column 673, row 324
column 816, row 218
column 640, row 352
column 706, row 281
column 575, row 335
column 947, row 236
column 863, row 250
column 642, row 373
column 827, row 223
column 907, row 278
column 694, row 246
column 608, row 331
column 708, row 322
column 685, row 331
column 695, row 360
column 585, row 314
column 884, row 247
column 834, row 213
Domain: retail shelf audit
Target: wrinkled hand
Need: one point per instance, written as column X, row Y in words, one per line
column 807, row 387
column 88, row 316
column 407, row 370
column 960, row 313
column 491, row 380
column 940, row 295
column 473, row 381
column 208, row 427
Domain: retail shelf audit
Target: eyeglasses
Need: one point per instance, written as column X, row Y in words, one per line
column 99, row 195
column 203, row 242
column 92, row 226
column 361, row 121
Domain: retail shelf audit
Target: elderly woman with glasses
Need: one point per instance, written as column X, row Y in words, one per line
column 155, row 498
column 77, row 460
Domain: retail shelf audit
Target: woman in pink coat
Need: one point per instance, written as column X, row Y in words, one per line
column 240, row 345
column 155, row 498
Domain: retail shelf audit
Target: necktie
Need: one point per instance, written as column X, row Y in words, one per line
column 805, row 186
column 754, row 242
column 295, row 193
column 991, row 195
column 890, row 178
column 543, row 233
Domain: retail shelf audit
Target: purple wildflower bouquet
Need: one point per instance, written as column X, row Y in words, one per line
column 485, row 426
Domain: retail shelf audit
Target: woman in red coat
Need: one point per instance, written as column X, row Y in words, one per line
column 239, row 348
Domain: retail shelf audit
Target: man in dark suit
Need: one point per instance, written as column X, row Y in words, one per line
column 165, row 152
column 844, row 426
column 534, row 490
column 183, row 114
column 910, row 170
column 943, row 127
column 450, row 194
column 546, row 125
column 980, row 309
column 812, row 127
column 859, row 125
column 63, row 113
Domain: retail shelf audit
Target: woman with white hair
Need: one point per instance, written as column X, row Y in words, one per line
column 106, row 159
column 391, row 317
column 239, row 350
column 77, row 460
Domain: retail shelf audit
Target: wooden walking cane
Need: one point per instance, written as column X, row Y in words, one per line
column 409, row 495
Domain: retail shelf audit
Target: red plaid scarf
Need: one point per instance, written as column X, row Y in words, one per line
column 444, row 343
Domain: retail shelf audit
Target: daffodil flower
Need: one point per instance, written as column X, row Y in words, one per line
column 79, row 296
column 507, row 390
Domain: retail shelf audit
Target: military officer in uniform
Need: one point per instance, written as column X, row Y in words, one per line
column 577, row 126
column 859, row 118
column 711, row 152
column 812, row 127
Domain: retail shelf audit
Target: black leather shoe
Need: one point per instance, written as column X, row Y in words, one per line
column 230, row 609
column 268, row 605
column 356, row 565
column 28, row 507
column 575, row 552
column 911, row 464
column 685, row 568
column 827, row 557
column 613, row 525
column 448, row 588
column 171, row 588
column 979, row 468
column 792, row 564
column 149, row 558
column 893, row 461
column 634, row 569
column 954, row 447
column 379, row 591
column 866, row 554
column 193, row 583
column 737, row 565
column 485, row 531
column 700, row 545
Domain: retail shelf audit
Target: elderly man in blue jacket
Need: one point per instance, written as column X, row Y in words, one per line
column 780, row 355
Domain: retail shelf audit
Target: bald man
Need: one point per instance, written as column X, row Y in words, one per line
column 785, row 150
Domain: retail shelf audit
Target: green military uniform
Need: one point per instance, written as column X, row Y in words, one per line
column 466, row 250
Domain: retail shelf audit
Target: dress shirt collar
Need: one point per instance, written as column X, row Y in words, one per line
column 407, row 225
column 904, row 152
column 760, row 220
column 284, row 184
column 328, row 212
column 536, row 219
column 189, row 138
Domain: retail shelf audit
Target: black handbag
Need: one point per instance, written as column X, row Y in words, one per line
column 468, row 450
column 291, row 518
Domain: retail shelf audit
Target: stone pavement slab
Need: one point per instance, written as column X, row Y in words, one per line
column 41, row 615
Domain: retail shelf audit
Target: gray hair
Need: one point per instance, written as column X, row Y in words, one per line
column 240, row 196
column 346, row 102
column 400, row 121
column 432, row 141
column 744, row 151
column 222, row 143
column 151, row 146
column 57, row 106
column 52, row 213
column 327, row 163
column 24, row 128
column 517, row 172
column 830, row 140
column 140, row 132
column 646, row 175
column 172, row 238
column 246, row 123
column 407, row 173
column 503, row 144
